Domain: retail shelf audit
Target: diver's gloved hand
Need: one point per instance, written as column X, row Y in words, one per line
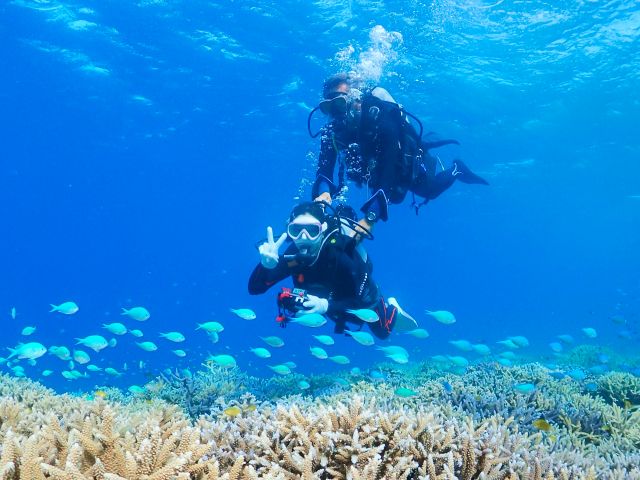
column 315, row 304
column 323, row 197
column 269, row 255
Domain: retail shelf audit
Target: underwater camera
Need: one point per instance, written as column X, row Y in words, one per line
column 290, row 301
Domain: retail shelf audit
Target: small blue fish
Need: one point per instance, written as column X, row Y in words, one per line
column 137, row 313
column 590, row 332
column 508, row 343
column 568, row 339
column 577, row 374
column 244, row 313
column 226, row 361
column 400, row 358
column 556, row 347
column 520, row 341
column 312, row 320
column 342, row 382
column 147, row 346
column 404, row 392
column 115, row 328
column 524, row 387
column 340, row 359
column 458, row 361
column 599, row 369
column 505, row 362
column 273, row 341
column 318, row 352
column 363, row 338
column 591, row 387
column 463, row 345
column 261, row 352
column 447, row 386
column 482, row 349
column 176, row 337
column 420, row 333
column 324, row 339
column 280, row 369
column 442, row 316
column 68, row 308
column 94, row 342
column 365, row 315
column 625, row 334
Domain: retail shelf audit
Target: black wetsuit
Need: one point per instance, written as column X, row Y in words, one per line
column 339, row 274
column 378, row 147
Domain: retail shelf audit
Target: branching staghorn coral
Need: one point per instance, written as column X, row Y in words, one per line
column 619, row 387
column 372, row 435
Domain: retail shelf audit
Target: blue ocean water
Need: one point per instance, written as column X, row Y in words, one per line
column 147, row 145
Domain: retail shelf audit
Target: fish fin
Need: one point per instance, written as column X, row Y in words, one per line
column 124, row 311
column 54, row 308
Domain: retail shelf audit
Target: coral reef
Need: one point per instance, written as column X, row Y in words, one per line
column 471, row 426
column 620, row 388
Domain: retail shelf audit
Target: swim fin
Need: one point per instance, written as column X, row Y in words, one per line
column 465, row 175
column 404, row 322
column 376, row 207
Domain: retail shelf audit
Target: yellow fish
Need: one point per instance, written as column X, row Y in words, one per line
column 100, row 393
column 542, row 424
column 232, row 411
column 628, row 404
column 250, row 408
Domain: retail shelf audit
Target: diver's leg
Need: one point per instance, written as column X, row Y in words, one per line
column 386, row 319
column 431, row 187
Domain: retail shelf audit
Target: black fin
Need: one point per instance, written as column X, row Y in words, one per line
column 465, row 175
column 376, row 205
column 439, row 143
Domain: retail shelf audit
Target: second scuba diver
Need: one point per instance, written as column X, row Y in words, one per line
column 371, row 139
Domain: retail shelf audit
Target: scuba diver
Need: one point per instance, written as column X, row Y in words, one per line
column 330, row 269
column 371, row 138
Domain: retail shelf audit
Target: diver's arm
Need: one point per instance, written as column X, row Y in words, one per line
column 262, row 279
column 326, row 164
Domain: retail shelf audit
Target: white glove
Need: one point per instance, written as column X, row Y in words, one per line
column 269, row 250
column 315, row 304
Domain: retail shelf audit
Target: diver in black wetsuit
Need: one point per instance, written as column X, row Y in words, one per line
column 330, row 265
column 370, row 137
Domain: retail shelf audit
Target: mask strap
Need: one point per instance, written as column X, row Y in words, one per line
column 313, row 135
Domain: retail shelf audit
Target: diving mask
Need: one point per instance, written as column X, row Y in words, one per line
column 335, row 105
column 313, row 230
